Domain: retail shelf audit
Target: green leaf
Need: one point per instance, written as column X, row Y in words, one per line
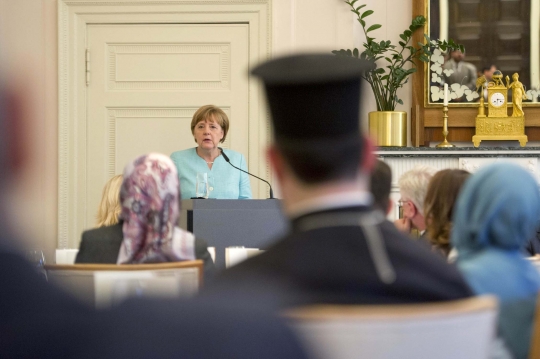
column 403, row 37
column 366, row 14
column 361, row 6
column 401, row 43
column 373, row 27
column 351, row 3
column 423, row 58
column 362, row 22
column 419, row 21
column 408, row 33
column 355, row 52
column 399, row 101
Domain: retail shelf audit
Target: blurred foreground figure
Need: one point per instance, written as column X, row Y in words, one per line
column 339, row 249
column 496, row 213
column 39, row 321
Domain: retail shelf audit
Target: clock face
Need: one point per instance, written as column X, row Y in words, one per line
column 497, row 99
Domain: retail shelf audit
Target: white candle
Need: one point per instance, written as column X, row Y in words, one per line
column 446, row 94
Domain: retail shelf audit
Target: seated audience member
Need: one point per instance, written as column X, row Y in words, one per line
column 413, row 185
column 37, row 320
column 147, row 230
column 109, row 207
column 338, row 250
column 496, row 212
column 439, row 203
column 380, row 186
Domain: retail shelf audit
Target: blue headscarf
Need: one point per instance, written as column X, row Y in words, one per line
column 496, row 213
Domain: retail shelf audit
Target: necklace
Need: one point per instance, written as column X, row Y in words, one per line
column 209, row 163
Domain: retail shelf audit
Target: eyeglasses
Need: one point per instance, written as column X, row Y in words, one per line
column 401, row 202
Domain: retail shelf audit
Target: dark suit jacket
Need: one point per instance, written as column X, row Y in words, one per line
column 101, row 245
column 334, row 265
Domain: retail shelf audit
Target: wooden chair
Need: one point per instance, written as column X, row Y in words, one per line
column 534, row 351
column 101, row 285
column 462, row 329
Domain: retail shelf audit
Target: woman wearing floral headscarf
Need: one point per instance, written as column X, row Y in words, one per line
column 147, row 231
column 496, row 213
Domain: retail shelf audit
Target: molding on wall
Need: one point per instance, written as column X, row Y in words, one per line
column 75, row 15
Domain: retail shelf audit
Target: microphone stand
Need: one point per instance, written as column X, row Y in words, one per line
column 229, row 162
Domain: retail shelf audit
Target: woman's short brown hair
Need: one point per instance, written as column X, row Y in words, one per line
column 443, row 190
column 212, row 113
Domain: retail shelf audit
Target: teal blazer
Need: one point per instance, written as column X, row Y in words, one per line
column 224, row 181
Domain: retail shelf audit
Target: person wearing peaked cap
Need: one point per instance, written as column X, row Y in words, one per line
column 339, row 249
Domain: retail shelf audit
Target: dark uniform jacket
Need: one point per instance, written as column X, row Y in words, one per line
column 333, row 263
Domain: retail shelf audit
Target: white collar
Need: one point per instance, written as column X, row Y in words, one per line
column 330, row 201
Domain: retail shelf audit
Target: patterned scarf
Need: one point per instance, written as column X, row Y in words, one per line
column 150, row 207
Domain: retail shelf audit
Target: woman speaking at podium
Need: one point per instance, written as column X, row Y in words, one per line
column 205, row 163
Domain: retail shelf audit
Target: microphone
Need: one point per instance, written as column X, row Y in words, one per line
column 229, row 162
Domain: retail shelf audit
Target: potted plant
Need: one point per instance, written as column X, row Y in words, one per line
column 393, row 66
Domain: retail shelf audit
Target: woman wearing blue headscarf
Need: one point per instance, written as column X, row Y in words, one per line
column 496, row 213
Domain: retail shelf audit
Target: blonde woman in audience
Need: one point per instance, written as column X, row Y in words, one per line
column 109, row 207
column 496, row 213
column 439, row 203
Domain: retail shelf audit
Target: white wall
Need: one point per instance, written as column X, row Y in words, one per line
column 325, row 25
column 28, row 45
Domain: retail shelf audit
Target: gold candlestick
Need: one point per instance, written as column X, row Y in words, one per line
column 445, row 143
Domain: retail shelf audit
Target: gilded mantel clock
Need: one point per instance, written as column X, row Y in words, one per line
column 497, row 125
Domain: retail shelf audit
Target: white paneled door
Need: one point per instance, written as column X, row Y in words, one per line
column 144, row 83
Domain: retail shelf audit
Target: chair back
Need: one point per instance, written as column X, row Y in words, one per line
column 462, row 329
column 235, row 255
column 103, row 285
column 66, row 256
column 534, row 351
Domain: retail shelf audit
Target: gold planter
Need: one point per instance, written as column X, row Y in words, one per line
column 388, row 128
